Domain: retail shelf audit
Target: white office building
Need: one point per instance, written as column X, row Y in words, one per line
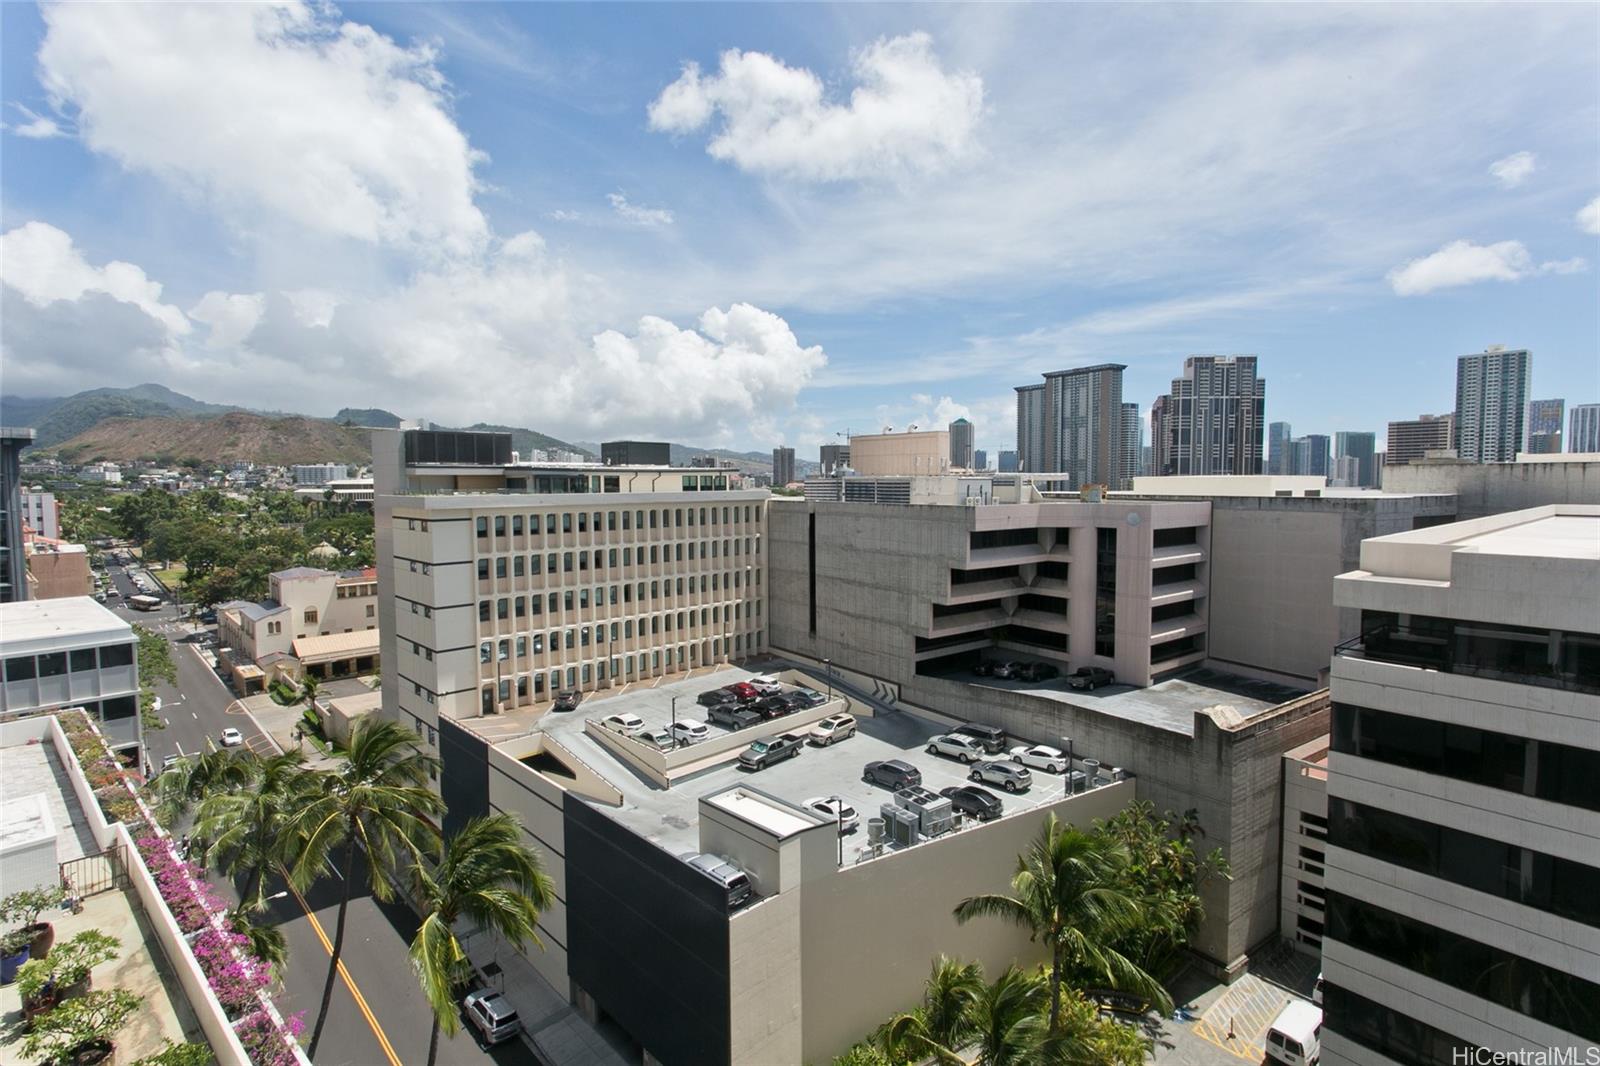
column 1491, row 403
column 319, row 473
column 1583, row 428
column 1463, row 856
column 72, row 653
column 40, row 511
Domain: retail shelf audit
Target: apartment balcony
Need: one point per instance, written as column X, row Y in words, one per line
column 1178, row 553
column 1175, row 628
column 1176, row 593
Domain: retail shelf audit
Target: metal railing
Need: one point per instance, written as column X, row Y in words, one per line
column 93, row 874
column 1436, row 649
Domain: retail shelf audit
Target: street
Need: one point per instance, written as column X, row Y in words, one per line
column 378, row 1016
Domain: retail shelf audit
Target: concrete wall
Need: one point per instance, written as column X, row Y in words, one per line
column 1491, row 488
column 927, row 452
column 873, row 930
column 1305, row 791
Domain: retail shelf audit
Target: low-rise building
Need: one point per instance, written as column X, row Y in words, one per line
column 73, row 653
column 1302, row 893
column 42, row 514
column 101, row 473
column 57, row 569
column 315, row 622
column 914, row 452
column 318, row 473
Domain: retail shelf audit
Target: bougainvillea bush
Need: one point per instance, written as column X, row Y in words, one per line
column 267, row 1044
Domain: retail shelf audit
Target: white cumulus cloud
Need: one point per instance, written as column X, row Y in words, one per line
column 1462, row 263
column 1513, row 170
column 41, row 263
column 38, row 127
column 231, row 316
column 906, row 114
column 639, row 216
column 1589, row 217
column 331, row 125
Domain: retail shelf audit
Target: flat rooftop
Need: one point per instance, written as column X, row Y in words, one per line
column 1557, row 531
column 42, row 625
column 1564, row 536
column 1170, row 704
column 670, row 817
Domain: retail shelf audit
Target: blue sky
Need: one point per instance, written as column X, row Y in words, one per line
column 750, row 225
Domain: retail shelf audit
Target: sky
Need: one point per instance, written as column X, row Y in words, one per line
column 751, row 225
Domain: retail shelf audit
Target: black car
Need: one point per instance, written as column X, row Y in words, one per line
column 1039, row 672
column 892, row 774
column 732, row 716
column 713, row 697
column 772, row 707
column 566, row 701
column 983, row 668
column 979, row 803
column 1090, row 677
column 797, row 701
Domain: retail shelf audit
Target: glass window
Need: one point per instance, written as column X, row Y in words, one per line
column 118, row 707
column 82, row 660
column 20, row 668
column 566, row 522
column 500, row 567
column 516, row 525
column 499, row 525
column 53, row 664
column 483, row 526
column 483, row 570
column 116, row 655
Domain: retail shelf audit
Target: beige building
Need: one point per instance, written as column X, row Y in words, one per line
column 57, row 569
column 1302, row 894
column 911, row 453
column 313, row 621
column 1483, row 489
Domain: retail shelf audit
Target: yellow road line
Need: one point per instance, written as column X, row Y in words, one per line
column 361, row 1002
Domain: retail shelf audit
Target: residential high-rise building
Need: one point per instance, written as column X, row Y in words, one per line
column 782, row 466
column 1583, row 428
column 1544, row 426
column 1216, row 413
column 1310, row 455
column 1278, row 436
column 1462, row 878
column 1491, row 400
column 1160, row 437
column 1007, row 463
column 1362, row 447
column 13, row 556
column 835, row 458
column 980, row 459
column 961, row 444
column 1030, row 428
column 1132, row 445
column 1410, row 440
column 1083, row 424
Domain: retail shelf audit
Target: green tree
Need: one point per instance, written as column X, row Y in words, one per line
column 266, row 942
column 251, row 824
column 377, row 798
column 179, row 1055
column 1065, row 893
column 1006, row 1018
column 79, row 1024
column 943, row 1021
column 187, row 783
column 155, row 664
column 488, row 876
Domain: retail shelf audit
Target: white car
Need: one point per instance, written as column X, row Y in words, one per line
column 767, row 685
column 232, row 738
column 833, row 728
column 956, row 746
column 1040, row 757
column 836, row 810
column 629, row 725
column 690, row 731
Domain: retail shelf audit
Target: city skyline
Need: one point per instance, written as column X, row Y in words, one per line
column 529, row 194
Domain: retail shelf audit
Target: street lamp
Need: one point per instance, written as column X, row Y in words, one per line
column 674, row 710
column 838, row 816
column 827, row 671
column 1068, row 775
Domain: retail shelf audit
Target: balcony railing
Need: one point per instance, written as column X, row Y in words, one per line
column 1495, row 660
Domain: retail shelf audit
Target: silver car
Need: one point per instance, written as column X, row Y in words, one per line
column 492, row 1015
column 1013, row 777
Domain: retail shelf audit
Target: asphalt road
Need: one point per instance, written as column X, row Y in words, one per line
column 382, row 1020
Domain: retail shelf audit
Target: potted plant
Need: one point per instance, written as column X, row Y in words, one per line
column 24, row 909
column 14, row 949
column 43, row 983
column 80, row 1031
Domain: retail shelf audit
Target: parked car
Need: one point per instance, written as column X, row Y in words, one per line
column 743, row 690
column 812, row 697
column 100, row 596
column 956, row 746
column 796, row 702
column 712, row 697
column 1090, row 677
column 768, row 750
column 835, row 809
column 232, row 738
column 492, row 1015
column 1040, row 757
column 689, row 731
column 992, row 737
column 209, row 616
column 733, row 716
column 566, row 701
column 1013, row 777
column 767, row 685
column 976, row 802
column 629, row 725
column 893, row 774
column 660, row 738
column 1006, row 670
column 112, row 593
column 726, row 874
column 1039, row 672
column 772, row 707
column 833, row 728
column 983, row 668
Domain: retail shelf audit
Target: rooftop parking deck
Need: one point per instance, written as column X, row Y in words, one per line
column 670, row 817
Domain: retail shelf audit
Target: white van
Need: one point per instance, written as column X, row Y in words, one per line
column 1295, row 1038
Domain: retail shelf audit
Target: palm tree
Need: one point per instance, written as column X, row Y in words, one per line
column 1006, row 1018
column 943, row 1022
column 267, row 942
column 251, row 827
column 377, row 798
column 308, row 692
column 1066, row 893
column 179, row 788
column 488, row 875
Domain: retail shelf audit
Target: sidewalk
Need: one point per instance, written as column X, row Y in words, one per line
column 551, row 1026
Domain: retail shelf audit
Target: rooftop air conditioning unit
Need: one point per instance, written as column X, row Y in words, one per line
column 935, row 814
column 901, row 824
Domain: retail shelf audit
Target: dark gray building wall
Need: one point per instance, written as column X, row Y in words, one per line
column 635, row 453
column 1483, row 489
column 13, row 563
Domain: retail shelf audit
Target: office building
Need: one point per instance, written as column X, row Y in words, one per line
column 1082, row 414
column 1278, row 436
column 73, row 653
column 43, row 516
column 1309, row 455
column 1212, row 421
column 1463, row 877
column 914, row 452
column 1303, row 895
column 835, row 459
column 1030, row 428
column 1491, row 400
column 1413, row 439
column 782, row 466
column 318, row 473
column 1544, row 426
column 1345, row 472
column 1583, row 429
column 635, row 453
column 961, row 444
column 1362, row 448
column 1007, row 463
column 13, row 555
column 1132, row 446
column 980, row 459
